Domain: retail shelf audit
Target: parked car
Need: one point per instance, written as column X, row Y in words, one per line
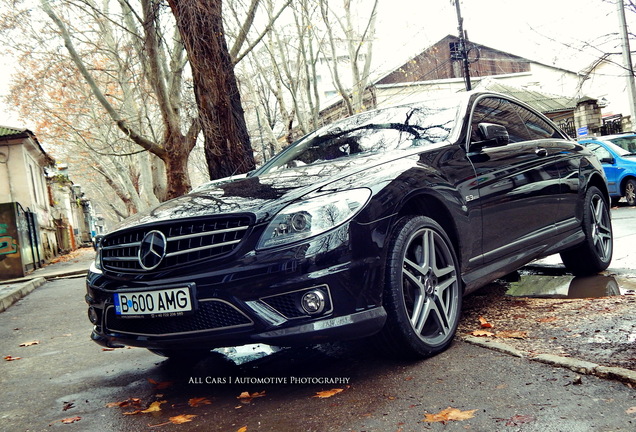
column 375, row 225
column 619, row 164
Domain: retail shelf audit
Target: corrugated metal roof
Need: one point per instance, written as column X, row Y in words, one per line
column 542, row 102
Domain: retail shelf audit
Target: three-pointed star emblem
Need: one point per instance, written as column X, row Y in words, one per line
column 152, row 250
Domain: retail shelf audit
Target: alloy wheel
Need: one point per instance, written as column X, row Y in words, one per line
column 430, row 286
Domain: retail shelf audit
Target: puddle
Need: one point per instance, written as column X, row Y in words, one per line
column 545, row 286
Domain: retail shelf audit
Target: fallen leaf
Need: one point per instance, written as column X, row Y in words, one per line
column 243, row 429
column 484, row 323
column 449, row 414
column 30, row 343
column 183, row 418
column 71, row 420
column 67, row 406
column 327, row 393
column 196, row 402
column 512, row 334
column 547, row 319
column 482, row 333
column 123, row 404
column 631, row 410
column 160, row 385
column 246, row 397
column 108, row 349
column 154, row 407
column 11, row 358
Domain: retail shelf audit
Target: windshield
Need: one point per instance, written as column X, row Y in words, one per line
column 628, row 143
column 369, row 133
column 617, row 149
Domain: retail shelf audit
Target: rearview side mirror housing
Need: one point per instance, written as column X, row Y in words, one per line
column 493, row 135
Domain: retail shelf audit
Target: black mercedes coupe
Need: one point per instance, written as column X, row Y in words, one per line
column 375, row 225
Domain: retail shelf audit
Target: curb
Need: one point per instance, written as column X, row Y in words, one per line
column 576, row 365
column 14, row 290
column 10, row 294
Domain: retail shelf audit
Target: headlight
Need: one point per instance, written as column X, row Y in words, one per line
column 97, row 263
column 313, row 216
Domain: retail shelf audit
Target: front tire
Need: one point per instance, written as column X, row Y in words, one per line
column 630, row 192
column 422, row 294
column 595, row 253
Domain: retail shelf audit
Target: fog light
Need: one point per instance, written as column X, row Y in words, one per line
column 92, row 315
column 313, row 302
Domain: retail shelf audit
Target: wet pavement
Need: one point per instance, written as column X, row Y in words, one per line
column 65, row 377
column 539, row 312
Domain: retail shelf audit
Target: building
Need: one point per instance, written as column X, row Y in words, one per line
column 27, row 233
column 558, row 93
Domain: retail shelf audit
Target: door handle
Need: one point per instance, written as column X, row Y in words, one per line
column 541, row 152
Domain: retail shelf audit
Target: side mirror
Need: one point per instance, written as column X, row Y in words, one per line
column 608, row 160
column 493, row 135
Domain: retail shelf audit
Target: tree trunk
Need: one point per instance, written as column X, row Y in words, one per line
column 227, row 144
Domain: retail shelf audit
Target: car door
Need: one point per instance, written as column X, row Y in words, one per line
column 517, row 181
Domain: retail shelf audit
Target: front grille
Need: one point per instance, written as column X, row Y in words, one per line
column 186, row 242
column 211, row 315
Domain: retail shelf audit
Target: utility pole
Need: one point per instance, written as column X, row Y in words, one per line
column 462, row 46
column 627, row 62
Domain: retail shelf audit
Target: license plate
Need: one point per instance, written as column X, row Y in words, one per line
column 159, row 303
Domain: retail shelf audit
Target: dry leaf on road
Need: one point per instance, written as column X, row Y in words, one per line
column 327, row 393
column 11, row 358
column 183, row 418
column 71, row 420
column 160, row 385
column 482, row 333
column 484, row 323
column 512, row 334
column 246, row 397
column 123, row 404
column 196, row 402
column 30, row 343
column 449, row 414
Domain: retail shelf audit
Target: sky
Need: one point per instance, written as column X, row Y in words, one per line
column 539, row 30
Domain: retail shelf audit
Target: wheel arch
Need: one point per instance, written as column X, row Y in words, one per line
column 598, row 181
column 624, row 181
column 427, row 204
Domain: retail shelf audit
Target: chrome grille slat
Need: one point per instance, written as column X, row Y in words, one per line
column 202, row 248
column 124, row 245
column 187, row 241
column 189, row 236
column 120, row 259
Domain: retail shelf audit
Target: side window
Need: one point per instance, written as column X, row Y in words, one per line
column 502, row 112
column 599, row 151
column 536, row 126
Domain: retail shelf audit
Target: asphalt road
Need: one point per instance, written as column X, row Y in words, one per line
column 64, row 376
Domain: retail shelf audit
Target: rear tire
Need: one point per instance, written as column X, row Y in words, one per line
column 595, row 253
column 422, row 294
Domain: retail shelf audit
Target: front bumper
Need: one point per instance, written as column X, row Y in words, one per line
column 255, row 298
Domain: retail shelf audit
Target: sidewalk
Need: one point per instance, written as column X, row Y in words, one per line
column 75, row 263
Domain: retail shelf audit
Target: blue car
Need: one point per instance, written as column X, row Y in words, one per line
column 617, row 154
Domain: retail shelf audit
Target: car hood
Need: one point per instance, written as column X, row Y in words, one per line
column 628, row 162
column 263, row 195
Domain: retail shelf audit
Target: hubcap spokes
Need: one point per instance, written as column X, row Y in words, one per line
column 630, row 193
column 601, row 228
column 430, row 286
